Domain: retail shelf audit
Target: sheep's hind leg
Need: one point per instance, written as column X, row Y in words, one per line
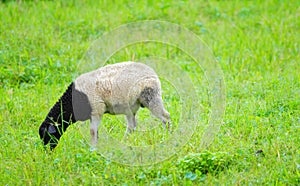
column 131, row 122
column 157, row 109
column 150, row 98
column 95, row 121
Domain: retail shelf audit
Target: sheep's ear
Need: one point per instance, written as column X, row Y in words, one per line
column 51, row 129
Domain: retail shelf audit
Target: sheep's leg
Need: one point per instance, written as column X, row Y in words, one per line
column 131, row 123
column 95, row 121
column 165, row 118
column 150, row 98
column 157, row 109
column 134, row 121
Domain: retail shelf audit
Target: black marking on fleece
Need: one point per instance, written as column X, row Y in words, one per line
column 71, row 107
column 147, row 95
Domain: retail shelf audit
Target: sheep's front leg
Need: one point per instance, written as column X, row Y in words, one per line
column 95, row 121
column 131, row 123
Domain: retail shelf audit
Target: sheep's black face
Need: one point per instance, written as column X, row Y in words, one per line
column 62, row 114
column 50, row 134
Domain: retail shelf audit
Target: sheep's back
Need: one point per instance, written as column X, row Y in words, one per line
column 123, row 82
column 118, row 84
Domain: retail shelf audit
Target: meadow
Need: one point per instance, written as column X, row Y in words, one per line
column 255, row 43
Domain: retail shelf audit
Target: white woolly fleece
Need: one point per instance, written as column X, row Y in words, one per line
column 118, row 86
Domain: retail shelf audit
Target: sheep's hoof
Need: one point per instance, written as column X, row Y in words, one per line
column 129, row 130
column 170, row 128
column 92, row 149
column 127, row 133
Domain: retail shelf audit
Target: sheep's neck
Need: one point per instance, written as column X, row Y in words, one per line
column 62, row 112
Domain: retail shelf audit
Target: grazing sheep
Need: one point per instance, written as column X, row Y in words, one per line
column 115, row 89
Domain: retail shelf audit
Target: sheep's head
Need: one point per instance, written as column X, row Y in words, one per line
column 50, row 134
column 62, row 115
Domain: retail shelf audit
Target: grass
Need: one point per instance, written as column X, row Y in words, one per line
column 256, row 44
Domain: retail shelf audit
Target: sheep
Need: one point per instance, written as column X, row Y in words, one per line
column 120, row 88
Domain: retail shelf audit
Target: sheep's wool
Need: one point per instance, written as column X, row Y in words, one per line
column 117, row 86
column 116, row 89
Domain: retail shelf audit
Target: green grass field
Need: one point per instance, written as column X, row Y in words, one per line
column 256, row 44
